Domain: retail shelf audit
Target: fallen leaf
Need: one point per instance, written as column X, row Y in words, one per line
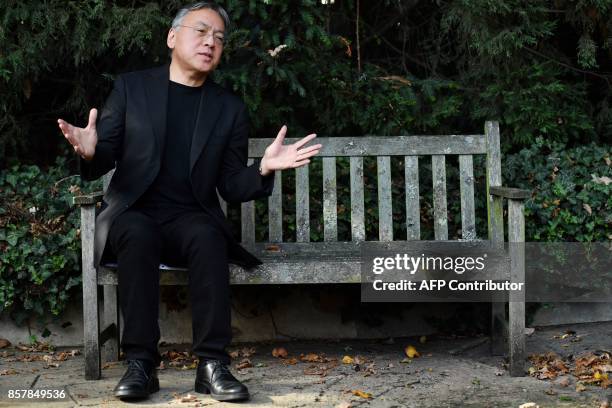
column 550, row 391
column 189, row 398
column 348, row 360
column 344, row 404
column 411, row 351
column 279, row 352
column 587, row 208
column 361, row 394
column 4, row 343
column 290, row 361
column 529, row 405
column 580, row 387
column 246, row 363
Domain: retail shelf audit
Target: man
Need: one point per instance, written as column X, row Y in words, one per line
column 174, row 137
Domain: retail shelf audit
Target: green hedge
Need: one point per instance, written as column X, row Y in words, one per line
column 39, row 241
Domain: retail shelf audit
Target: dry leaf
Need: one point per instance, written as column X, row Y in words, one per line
column 361, row 394
column 601, row 180
column 246, row 363
column 411, row 351
column 580, row 387
column 279, row 352
column 344, row 404
column 529, row 405
column 587, row 208
column 347, row 360
column 4, row 343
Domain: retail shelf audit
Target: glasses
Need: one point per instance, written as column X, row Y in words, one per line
column 204, row 31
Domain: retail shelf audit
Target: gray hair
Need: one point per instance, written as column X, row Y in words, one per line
column 178, row 19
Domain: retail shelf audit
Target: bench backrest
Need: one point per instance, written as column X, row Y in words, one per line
column 381, row 147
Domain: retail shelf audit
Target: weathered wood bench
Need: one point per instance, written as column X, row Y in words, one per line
column 333, row 261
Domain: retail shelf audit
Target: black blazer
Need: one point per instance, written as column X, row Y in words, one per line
column 131, row 133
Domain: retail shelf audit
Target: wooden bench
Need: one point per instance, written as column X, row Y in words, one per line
column 333, row 261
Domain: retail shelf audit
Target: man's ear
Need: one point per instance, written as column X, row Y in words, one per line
column 171, row 40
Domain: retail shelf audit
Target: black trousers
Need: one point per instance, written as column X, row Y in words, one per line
column 140, row 244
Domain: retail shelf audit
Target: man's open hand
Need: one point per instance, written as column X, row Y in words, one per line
column 83, row 140
column 279, row 157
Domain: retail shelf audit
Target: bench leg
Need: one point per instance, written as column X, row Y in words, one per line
column 498, row 327
column 91, row 324
column 516, row 238
column 111, row 318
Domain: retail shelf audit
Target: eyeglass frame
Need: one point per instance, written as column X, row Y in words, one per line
column 206, row 30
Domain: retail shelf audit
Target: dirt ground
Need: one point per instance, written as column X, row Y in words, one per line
column 449, row 372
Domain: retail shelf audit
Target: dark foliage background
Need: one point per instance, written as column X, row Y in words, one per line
column 388, row 67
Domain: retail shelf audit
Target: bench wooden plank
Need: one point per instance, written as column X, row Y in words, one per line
column 247, row 216
column 275, row 209
column 413, row 214
column 330, row 200
column 302, row 202
column 386, row 145
column 516, row 306
column 91, row 313
column 385, row 210
column 466, row 185
column 357, row 199
column 438, row 168
column 495, row 225
column 325, row 262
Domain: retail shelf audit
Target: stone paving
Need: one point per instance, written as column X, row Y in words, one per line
column 450, row 372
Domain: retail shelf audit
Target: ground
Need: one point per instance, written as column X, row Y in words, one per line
column 450, row 372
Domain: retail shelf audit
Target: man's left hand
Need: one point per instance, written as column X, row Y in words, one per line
column 279, row 157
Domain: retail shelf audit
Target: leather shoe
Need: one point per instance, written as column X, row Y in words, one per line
column 138, row 382
column 214, row 377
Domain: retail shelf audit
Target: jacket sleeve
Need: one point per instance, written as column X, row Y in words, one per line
column 238, row 182
column 110, row 127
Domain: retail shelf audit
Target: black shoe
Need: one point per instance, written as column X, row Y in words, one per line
column 138, row 382
column 214, row 378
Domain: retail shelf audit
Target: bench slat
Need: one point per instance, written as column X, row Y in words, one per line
column 330, row 200
column 302, row 214
column 413, row 216
column 438, row 168
column 275, row 209
column 325, row 262
column 466, row 176
column 357, row 199
column 385, row 212
column 386, row 145
column 248, row 217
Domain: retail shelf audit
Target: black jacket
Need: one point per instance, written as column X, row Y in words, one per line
column 131, row 133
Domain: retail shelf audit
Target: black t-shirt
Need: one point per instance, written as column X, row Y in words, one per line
column 171, row 194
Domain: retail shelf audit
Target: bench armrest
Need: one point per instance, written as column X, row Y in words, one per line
column 509, row 192
column 88, row 199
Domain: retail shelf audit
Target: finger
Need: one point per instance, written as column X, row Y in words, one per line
column 93, row 114
column 300, row 163
column 309, row 148
column 281, row 135
column 304, row 140
column 303, row 156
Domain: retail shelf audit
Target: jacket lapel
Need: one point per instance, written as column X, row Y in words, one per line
column 156, row 89
column 208, row 113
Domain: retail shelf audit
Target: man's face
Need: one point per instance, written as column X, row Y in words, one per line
column 199, row 48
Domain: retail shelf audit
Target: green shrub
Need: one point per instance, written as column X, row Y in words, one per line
column 572, row 187
column 39, row 241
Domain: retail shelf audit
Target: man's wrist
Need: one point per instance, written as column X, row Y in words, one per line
column 263, row 170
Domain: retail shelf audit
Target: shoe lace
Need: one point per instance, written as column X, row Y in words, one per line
column 221, row 368
column 136, row 369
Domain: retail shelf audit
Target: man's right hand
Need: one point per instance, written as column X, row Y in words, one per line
column 83, row 140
